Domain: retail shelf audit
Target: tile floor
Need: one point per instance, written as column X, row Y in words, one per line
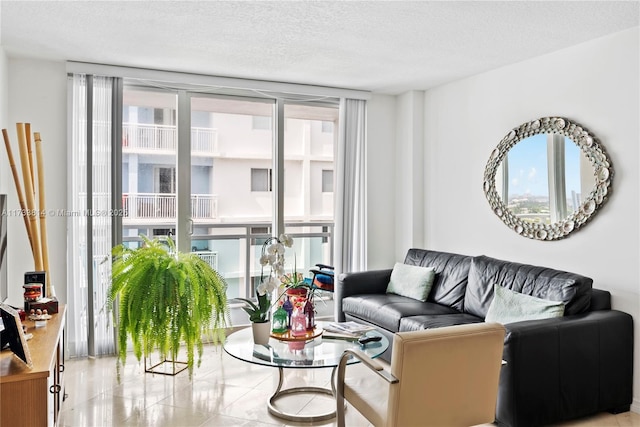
column 223, row 392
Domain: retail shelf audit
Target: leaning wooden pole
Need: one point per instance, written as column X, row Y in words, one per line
column 28, row 189
column 16, row 180
column 43, row 217
column 27, row 132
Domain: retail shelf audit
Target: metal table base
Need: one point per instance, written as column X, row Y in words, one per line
column 299, row 390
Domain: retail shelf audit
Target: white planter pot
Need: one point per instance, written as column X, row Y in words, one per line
column 261, row 332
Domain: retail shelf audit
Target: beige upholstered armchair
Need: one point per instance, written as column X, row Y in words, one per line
column 439, row 377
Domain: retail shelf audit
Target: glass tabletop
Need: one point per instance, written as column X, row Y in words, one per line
column 317, row 353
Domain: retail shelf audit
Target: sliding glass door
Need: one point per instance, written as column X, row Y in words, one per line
column 205, row 170
column 232, row 185
column 310, row 138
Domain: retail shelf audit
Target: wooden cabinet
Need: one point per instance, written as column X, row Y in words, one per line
column 33, row 396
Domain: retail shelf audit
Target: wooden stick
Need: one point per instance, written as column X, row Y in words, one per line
column 43, row 217
column 27, row 131
column 16, row 180
column 28, row 188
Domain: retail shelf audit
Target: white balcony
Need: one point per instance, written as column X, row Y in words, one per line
column 209, row 257
column 163, row 206
column 138, row 137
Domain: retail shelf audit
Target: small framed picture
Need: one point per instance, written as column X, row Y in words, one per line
column 14, row 335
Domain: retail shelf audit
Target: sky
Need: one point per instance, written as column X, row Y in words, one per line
column 528, row 167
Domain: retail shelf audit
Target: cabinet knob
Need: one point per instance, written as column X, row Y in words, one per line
column 61, row 368
column 54, row 389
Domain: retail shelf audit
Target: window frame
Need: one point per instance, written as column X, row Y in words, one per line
column 269, row 180
column 327, row 172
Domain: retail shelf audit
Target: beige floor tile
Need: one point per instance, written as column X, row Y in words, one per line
column 599, row 420
column 166, row 415
column 206, row 396
column 628, row 419
column 223, row 391
column 225, row 421
column 102, row 410
column 253, row 406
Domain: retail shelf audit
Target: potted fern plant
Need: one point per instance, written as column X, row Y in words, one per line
column 166, row 299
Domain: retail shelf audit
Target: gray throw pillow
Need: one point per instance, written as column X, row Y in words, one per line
column 508, row 306
column 411, row 281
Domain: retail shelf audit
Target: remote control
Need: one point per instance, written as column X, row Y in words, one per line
column 365, row 340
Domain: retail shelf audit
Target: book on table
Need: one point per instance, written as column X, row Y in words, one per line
column 345, row 330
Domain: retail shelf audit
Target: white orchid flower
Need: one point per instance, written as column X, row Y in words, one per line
column 286, row 240
column 272, row 284
column 278, row 269
column 262, row 289
column 279, row 248
column 264, row 260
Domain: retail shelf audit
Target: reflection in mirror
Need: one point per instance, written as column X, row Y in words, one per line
column 543, row 177
column 547, row 178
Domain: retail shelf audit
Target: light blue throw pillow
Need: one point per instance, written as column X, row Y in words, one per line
column 411, row 281
column 509, row 306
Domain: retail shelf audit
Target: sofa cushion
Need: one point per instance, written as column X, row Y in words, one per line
column 451, row 270
column 411, row 281
column 509, row 306
column 571, row 289
column 386, row 310
column 428, row 321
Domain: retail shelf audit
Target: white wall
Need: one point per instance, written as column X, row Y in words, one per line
column 595, row 84
column 37, row 94
column 4, row 111
column 409, row 184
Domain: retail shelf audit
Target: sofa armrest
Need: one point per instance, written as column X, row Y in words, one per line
column 600, row 300
column 362, row 282
column 567, row 367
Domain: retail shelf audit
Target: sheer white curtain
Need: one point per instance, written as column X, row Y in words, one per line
column 90, row 329
column 351, row 189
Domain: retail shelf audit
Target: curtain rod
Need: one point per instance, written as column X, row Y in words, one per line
column 206, row 80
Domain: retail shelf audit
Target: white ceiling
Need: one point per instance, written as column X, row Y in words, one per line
column 387, row 47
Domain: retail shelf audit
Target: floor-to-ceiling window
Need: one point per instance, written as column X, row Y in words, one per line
column 232, row 172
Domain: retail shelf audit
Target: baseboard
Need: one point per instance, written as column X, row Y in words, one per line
column 635, row 406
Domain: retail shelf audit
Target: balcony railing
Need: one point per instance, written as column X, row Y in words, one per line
column 144, row 137
column 233, row 248
column 209, row 257
column 163, row 205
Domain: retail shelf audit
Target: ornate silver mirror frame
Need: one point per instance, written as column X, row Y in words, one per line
column 592, row 150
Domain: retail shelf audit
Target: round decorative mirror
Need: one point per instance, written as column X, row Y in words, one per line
column 547, row 178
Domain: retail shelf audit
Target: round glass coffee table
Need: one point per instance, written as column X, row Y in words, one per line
column 317, row 353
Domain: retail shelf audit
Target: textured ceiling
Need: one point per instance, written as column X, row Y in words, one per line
column 387, row 47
